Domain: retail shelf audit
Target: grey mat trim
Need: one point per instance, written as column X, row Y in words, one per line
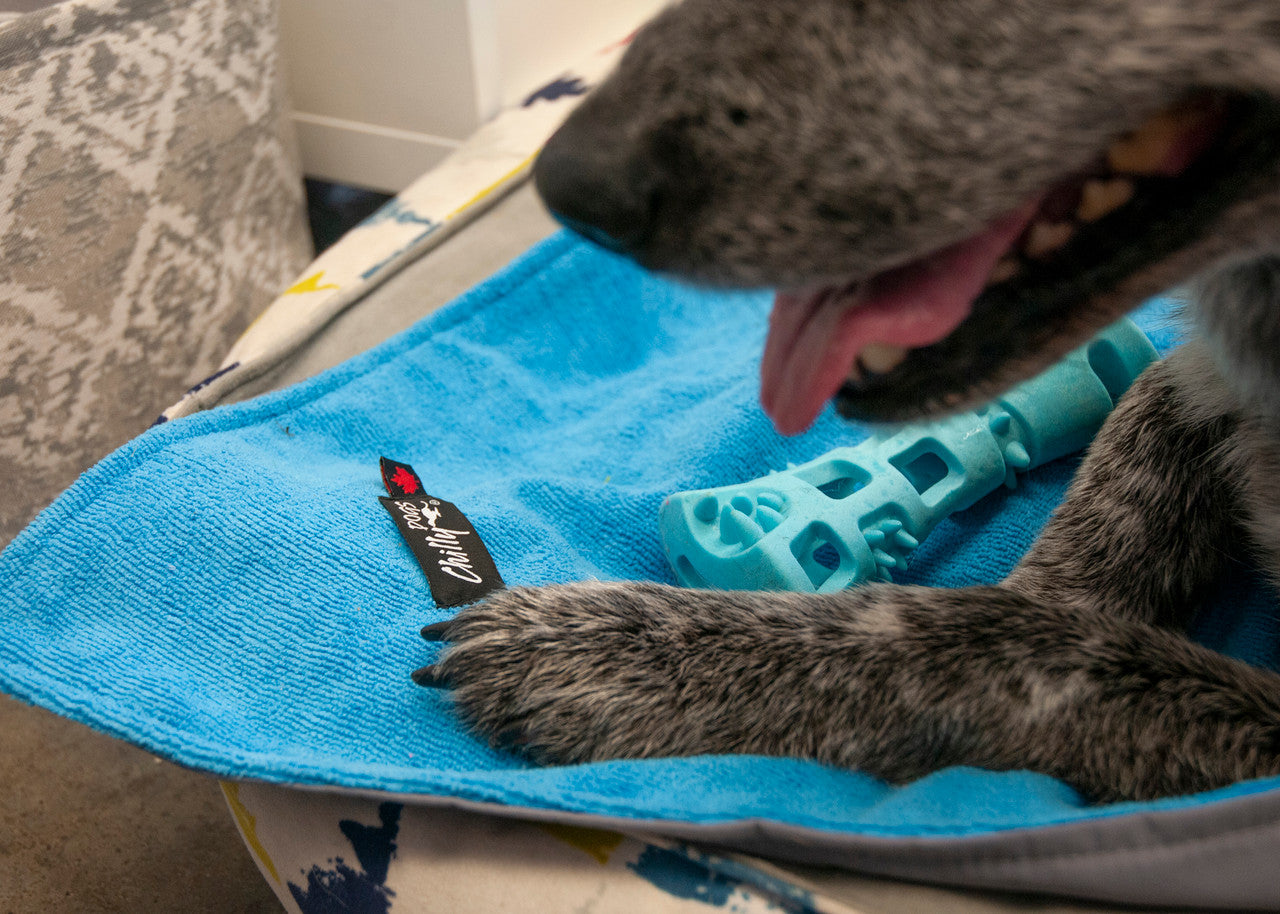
column 433, row 274
column 271, row 370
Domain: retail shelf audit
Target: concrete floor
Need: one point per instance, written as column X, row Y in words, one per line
column 89, row 824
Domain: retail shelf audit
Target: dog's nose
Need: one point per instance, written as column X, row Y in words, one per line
column 595, row 191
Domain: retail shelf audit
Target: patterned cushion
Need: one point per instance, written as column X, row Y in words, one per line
column 150, row 205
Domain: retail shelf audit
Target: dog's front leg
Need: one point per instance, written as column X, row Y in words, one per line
column 897, row 681
column 1155, row 508
column 1237, row 307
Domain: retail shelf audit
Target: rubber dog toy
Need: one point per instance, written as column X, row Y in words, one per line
column 858, row 513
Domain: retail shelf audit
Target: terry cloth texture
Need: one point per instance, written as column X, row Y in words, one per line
column 227, row 591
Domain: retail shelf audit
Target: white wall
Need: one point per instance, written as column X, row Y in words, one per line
column 538, row 39
column 383, row 89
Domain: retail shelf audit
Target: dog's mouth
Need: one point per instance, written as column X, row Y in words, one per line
column 960, row 324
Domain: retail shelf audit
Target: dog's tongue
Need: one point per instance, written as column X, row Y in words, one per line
column 815, row 335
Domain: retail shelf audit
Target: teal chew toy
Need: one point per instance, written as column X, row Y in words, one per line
column 859, row 512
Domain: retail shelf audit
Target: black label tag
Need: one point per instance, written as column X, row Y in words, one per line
column 451, row 554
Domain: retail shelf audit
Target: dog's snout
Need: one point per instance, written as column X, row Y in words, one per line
column 596, row 191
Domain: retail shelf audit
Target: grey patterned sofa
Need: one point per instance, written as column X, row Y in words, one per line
column 150, row 206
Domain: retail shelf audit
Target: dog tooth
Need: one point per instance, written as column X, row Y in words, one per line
column 1004, row 270
column 881, row 358
column 1046, row 237
column 1098, row 198
column 1146, row 150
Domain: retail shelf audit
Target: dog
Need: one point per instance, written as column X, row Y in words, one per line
column 950, row 196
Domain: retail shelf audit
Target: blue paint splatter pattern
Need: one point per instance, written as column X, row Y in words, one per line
column 398, row 212
column 690, row 876
column 552, row 91
column 346, row 890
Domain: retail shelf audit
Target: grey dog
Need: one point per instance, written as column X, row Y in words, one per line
column 951, row 195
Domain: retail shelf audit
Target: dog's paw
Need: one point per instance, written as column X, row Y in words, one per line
column 591, row 671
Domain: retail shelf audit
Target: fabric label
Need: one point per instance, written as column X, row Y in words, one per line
column 450, row 552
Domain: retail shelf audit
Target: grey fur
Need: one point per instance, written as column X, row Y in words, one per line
column 753, row 142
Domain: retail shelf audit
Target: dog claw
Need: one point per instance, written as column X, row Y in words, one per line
column 430, row 677
column 438, row 631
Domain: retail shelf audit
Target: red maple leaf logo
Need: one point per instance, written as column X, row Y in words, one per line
column 405, row 481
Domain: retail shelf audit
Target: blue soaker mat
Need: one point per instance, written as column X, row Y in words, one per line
column 227, row 591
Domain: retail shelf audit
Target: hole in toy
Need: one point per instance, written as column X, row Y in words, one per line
column 826, row 556
column 839, row 488
column 688, row 574
column 923, row 470
column 837, row 478
column 743, row 505
column 1106, row 363
column 819, row 552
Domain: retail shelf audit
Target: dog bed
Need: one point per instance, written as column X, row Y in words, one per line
column 227, row 591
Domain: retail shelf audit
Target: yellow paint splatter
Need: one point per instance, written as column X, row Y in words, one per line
column 248, row 827
column 309, row 284
column 597, row 844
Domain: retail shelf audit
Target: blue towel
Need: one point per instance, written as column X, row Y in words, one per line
column 227, row 591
